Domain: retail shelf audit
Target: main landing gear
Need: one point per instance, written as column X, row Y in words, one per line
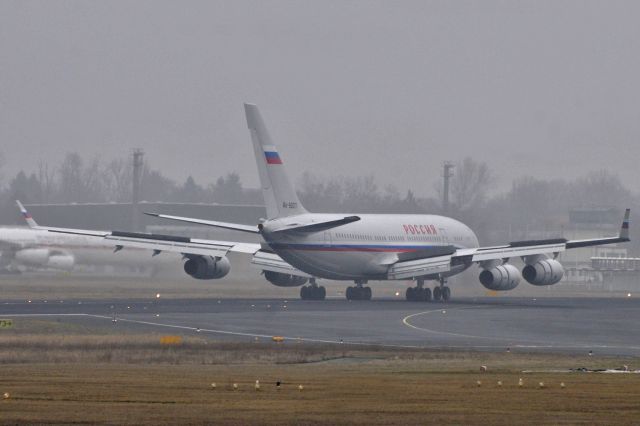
column 420, row 293
column 359, row 292
column 313, row 291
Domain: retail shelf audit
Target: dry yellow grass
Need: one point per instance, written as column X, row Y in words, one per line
column 380, row 392
column 135, row 380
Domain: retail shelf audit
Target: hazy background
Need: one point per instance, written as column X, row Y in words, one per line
column 355, row 88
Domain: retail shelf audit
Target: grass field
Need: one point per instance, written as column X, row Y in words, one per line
column 136, row 380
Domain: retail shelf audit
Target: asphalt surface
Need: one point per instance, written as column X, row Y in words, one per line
column 605, row 326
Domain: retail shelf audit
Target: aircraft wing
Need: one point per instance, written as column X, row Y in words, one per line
column 157, row 243
column 444, row 262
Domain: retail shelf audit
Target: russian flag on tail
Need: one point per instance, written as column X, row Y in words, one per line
column 271, row 154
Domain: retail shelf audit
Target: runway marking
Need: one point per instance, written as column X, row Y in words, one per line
column 207, row 330
column 341, row 342
column 526, row 343
column 406, row 322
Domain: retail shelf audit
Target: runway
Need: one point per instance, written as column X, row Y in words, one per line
column 605, row 326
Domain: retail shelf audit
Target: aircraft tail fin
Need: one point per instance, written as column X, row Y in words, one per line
column 27, row 217
column 279, row 195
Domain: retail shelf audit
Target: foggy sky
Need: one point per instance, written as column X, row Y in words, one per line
column 347, row 87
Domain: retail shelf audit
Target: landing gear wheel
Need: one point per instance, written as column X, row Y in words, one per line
column 309, row 292
column 409, row 294
column 417, row 294
column 358, row 293
column 349, row 293
column 437, row 293
column 427, row 294
column 446, row 293
column 366, row 293
column 322, row 293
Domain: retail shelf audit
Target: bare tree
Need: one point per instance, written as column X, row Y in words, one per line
column 118, row 177
column 470, row 184
column 1, row 168
column 227, row 189
column 157, row 187
column 79, row 183
column 46, row 177
column 600, row 189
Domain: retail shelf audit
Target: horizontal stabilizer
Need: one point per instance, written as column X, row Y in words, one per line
column 319, row 226
column 235, row 226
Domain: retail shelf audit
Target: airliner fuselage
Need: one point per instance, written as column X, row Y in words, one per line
column 364, row 249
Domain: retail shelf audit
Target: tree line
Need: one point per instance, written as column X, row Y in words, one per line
column 530, row 204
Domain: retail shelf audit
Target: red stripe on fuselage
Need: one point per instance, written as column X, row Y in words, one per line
column 361, row 249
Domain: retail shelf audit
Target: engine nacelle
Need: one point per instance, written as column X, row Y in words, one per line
column 206, row 267
column 61, row 261
column 284, row 280
column 500, row 278
column 543, row 272
column 33, row 256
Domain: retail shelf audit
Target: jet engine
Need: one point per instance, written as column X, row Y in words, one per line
column 45, row 258
column 33, row 256
column 207, row 267
column 61, row 261
column 284, row 280
column 500, row 278
column 543, row 272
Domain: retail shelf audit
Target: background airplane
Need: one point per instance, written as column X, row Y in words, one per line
column 35, row 248
column 300, row 246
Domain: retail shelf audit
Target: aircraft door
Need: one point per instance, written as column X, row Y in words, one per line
column 443, row 234
column 327, row 239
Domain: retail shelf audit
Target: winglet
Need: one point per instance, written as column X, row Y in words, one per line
column 27, row 217
column 624, row 229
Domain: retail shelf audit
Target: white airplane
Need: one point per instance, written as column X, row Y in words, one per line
column 300, row 246
column 35, row 247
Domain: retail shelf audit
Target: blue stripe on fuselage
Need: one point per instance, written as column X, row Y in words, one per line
column 350, row 247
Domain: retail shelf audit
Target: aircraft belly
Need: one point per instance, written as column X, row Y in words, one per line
column 335, row 265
